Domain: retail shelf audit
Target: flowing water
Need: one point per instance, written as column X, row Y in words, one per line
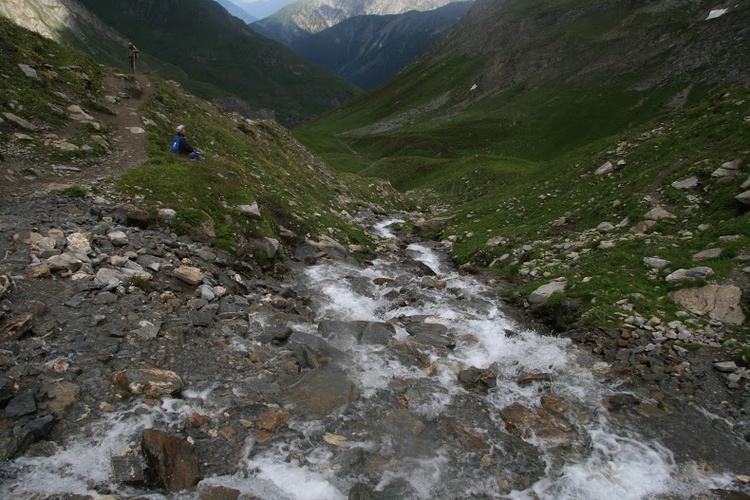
column 413, row 431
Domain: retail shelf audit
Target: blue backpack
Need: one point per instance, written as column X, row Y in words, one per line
column 176, row 145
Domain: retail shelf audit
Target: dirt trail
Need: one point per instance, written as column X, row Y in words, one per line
column 24, row 175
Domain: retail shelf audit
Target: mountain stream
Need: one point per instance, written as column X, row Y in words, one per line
column 420, row 386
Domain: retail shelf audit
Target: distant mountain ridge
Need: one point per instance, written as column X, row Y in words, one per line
column 368, row 50
column 307, row 17
column 262, row 8
column 237, row 11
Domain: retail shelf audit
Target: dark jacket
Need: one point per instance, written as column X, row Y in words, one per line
column 185, row 147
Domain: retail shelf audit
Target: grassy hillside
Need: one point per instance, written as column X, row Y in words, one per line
column 510, row 117
column 538, row 79
column 206, row 43
column 246, row 161
column 67, row 71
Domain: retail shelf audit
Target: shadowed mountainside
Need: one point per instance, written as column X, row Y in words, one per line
column 369, row 50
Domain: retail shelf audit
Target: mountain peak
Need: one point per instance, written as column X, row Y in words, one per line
column 306, row 17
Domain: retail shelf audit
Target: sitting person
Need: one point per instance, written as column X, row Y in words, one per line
column 181, row 146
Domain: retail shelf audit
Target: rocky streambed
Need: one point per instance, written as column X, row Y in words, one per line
column 136, row 363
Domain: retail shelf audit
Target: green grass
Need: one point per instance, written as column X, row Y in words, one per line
column 519, row 164
column 59, row 68
column 529, row 209
column 264, row 165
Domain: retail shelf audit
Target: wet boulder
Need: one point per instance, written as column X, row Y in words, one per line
column 273, row 418
column 364, row 332
column 218, row 492
column 149, row 382
column 477, row 379
column 39, row 428
column 22, row 404
column 432, row 334
column 13, row 441
column 276, row 335
column 128, row 469
column 172, row 462
column 319, row 392
column 537, row 424
column 61, row 395
column 617, row 402
column 361, row 491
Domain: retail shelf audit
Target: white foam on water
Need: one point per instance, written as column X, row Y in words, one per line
column 427, row 257
column 344, row 303
column 618, row 466
column 81, row 463
column 300, row 483
column 374, row 372
column 424, row 475
column 381, row 228
column 273, row 477
column 194, row 394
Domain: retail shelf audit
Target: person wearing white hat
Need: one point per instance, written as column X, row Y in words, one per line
column 180, row 145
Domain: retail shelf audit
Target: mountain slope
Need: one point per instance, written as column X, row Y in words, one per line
column 237, row 11
column 48, row 136
column 368, row 50
column 535, row 80
column 556, row 132
column 306, row 17
column 219, row 57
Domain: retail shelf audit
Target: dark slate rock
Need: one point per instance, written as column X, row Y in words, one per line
column 6, row 391
column 477, row 379
column 128, row 469
column 275, row 335
column 365, row 332
column 13, row 442
column 40, row 427
column 312, row 341
column 308, row 254
column 150, row 262
column 433, row 334
column 233, row 304
column 204, row 317
column 23, row 404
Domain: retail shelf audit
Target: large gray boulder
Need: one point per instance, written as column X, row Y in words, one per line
column 544, row 292
column 720, row 302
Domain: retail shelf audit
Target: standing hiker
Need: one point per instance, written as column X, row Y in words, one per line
column 132, row 56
